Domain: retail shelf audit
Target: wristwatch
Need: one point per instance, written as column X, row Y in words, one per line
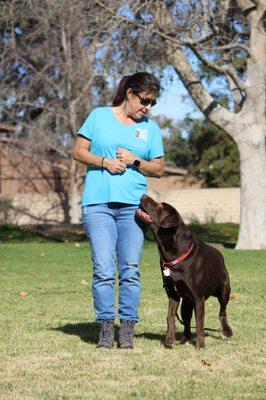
column 136, row 164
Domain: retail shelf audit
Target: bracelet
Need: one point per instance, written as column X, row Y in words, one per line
column 102, row 160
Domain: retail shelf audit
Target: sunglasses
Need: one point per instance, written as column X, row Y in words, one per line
column 145, row 102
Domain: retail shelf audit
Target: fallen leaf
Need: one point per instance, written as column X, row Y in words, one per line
column 42, row 254
column 83, row 282
column 24, row 293
column 232, row 296
column 77, row 244
column 66, row 241
column 205, row 362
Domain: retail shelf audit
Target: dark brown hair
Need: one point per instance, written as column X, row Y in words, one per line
column 138, row 82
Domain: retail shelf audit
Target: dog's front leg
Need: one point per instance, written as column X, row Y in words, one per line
column 199, row 314
column 172, row 309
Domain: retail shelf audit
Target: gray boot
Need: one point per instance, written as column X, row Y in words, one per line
column 106, row 335
column 126, row 334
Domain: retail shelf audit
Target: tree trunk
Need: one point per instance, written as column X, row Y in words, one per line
column 74, row 195
column 252, row 136
column 252, row 233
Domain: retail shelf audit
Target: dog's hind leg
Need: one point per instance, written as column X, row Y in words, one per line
column 186, row 314
column 172, row 309
column 199, row 314
column 223, row 298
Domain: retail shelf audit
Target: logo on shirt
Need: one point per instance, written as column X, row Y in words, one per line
column 142, row 134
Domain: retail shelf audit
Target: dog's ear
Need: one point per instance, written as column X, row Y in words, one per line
column 169, row 222
column 170, row 217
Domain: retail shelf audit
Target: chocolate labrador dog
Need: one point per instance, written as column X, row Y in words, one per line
column 191, row 270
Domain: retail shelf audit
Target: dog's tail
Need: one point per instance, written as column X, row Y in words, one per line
column 179, row 319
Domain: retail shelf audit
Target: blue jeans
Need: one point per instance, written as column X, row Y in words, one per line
column 116, row 239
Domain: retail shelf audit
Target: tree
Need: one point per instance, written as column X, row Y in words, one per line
column 205, row 150
column 56, row 64
column 227, row 37
column 176, row 147
column 214, row 155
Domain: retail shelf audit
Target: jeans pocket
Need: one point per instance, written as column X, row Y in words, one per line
column 84, row 210
column 89, row 213
column 85, row 216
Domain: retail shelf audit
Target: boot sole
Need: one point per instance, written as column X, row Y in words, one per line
column 126, row 347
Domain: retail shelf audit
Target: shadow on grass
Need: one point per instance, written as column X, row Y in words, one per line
column 229, row 245
column 156, row 336
column 224, row 234
column 214, row 333
column 88, row 333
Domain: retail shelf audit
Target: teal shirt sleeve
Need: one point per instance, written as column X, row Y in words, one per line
column 87, row 129
column 156, row 143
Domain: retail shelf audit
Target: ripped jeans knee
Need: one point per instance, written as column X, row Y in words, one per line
column 133, row 265
column 129, row 291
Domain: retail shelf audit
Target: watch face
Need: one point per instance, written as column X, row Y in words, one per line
column 136, row 163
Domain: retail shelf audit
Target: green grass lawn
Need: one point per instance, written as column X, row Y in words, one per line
column 47, row 346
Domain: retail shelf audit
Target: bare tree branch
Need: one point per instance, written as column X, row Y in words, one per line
column 223, row 69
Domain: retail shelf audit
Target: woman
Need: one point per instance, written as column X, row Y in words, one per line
column 120, row 146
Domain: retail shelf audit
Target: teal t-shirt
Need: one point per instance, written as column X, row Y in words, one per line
column 106, row 134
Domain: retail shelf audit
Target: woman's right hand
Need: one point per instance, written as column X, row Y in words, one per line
column 114, row 165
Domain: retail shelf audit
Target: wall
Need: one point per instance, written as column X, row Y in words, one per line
column 222, row 205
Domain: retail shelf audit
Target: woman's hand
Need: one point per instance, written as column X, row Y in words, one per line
column 114, row 165
column 126, row 156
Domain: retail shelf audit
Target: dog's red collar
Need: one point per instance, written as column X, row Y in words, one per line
column 179, row 259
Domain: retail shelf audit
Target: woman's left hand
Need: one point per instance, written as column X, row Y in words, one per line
column 126, row 156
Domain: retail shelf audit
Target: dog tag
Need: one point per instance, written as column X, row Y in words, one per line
column 166, row 272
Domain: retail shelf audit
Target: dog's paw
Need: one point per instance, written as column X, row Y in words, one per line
column 170, row 339
column 183, row 340
column 200, row 343
column 200, row 346
column 227, row 331
column 169, row 343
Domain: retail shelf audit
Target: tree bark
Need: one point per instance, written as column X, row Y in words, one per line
column 249, row 133
column 252, row 233
column 73, row 194
column 192, row 82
